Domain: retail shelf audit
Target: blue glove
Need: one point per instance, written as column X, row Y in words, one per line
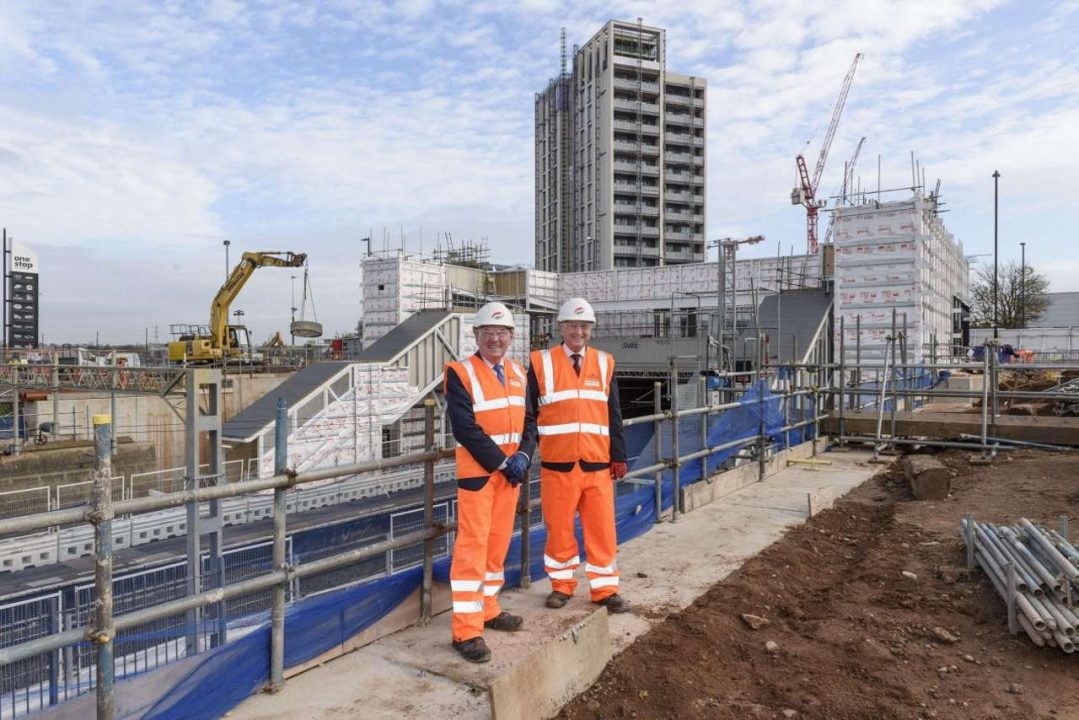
column 516, row 468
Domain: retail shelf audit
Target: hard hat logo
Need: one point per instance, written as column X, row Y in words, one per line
column 496, row 315
column 579, row 310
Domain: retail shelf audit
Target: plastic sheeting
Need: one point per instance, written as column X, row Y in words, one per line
column 221, row 678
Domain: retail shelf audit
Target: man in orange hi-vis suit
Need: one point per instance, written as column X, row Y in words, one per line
column 485, row 403
column 573, row 391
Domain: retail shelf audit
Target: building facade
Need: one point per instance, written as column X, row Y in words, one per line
column 620, row 158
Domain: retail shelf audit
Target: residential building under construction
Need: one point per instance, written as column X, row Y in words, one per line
column 620, row 157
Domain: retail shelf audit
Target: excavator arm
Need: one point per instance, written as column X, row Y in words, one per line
column 251, row 261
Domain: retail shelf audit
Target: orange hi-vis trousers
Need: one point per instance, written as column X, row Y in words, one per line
column 484, row 528
column 564, row 494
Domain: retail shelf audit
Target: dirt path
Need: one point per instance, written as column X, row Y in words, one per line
column 855, row 639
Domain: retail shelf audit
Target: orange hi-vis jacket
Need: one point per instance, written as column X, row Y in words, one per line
column 499, row 410
column 572, row 416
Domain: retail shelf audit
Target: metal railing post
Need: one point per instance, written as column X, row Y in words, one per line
column 103, row 632
column 842, row 383
column 428, row 510
column 657, row 443
column 704, row 425
column 676, row 463
column 280, row 558
column 985, row 399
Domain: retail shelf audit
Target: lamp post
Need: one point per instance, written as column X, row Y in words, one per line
column 996, row 286
column 293, row 341
column 1023, row 285
column 226, row 243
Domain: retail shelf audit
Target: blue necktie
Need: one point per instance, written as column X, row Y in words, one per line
column 500, row 374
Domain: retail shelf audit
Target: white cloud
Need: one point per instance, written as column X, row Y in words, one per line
column 150, row 131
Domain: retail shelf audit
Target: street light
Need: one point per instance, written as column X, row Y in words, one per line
column 1023, row 286
column 226, row 243
column 996, row 322
column 294, row 304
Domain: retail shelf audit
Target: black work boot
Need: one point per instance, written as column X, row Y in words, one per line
column 557, row 599
column 504, row 622
column 614, row 603
column 474, row 650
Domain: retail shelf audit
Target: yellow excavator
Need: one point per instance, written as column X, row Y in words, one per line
column 199, row 344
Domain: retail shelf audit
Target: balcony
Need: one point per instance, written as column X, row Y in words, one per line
column 632, row 126
column 644, row 230
column 631, row 106
column 677, row 157
column 678, row 100
column 683, row 256
column 698, row 122
column 643, row 210
column 698, row 141
column 634, row 251
column 632, row 147
column 678, row 216
column 679, row 119
column 645, row 86
column 644, row 168
column 684, row 236
column 698, row 160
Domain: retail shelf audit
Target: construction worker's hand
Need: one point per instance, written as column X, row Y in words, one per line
column 618, row 470
column 516, row 468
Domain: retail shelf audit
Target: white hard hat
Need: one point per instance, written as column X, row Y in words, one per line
column 494, row 313
column 576, row 310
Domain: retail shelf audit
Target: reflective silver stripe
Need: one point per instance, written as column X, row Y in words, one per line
column 465, row 608
column 519, row 371
column 605, row 581
column 601, row 569
column 594, row 395
column 489, row 590
column 602, row 357
column 506, row 439
column 477, row 389
column 568, row 428
column 495, row 576
column 498, row 403
column 560, row 574
column 465, row 585
column 550, row 562
column 548, row 376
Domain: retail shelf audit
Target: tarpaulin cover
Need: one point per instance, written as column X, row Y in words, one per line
column 223, row 677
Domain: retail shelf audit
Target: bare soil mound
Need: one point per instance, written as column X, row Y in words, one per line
column 871, row 615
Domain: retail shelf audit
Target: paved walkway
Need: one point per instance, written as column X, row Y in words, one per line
column 415, row 672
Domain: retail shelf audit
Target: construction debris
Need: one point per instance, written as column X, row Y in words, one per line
column 928, row 478
column 1036, row 571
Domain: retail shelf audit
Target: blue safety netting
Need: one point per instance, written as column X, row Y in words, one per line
column 223, row 677
column 865, row 394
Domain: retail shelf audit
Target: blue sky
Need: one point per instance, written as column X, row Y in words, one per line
column 136, row 136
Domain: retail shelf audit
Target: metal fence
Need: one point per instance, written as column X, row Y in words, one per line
column 142, row 624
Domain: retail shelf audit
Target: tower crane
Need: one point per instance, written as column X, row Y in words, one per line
column 806, row 191
column 848, row 184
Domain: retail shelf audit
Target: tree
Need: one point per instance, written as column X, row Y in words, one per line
column 1019, row 303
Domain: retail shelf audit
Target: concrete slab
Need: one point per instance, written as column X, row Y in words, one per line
column 415, row 672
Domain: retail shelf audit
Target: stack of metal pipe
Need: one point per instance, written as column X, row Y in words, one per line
column 1036, row 570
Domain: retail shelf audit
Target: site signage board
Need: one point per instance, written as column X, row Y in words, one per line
column 22, row 300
